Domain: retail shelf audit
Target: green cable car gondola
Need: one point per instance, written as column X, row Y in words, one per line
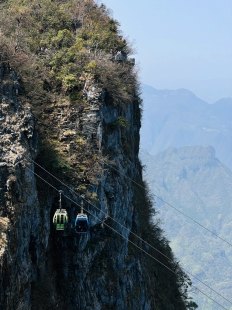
column 60, row 218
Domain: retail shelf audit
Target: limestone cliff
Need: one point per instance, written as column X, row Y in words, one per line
column 83, row 127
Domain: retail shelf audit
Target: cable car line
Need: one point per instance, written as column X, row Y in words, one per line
column 128, row 240
column 137, row 236
column 165, row 202
column 159, row 198
column 188, row 272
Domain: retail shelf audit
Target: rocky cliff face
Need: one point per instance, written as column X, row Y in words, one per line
column 87, row 136
column 41, row 268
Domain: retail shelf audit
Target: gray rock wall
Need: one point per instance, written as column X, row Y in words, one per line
column 19, row 209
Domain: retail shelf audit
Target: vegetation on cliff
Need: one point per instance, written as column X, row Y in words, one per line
column 70, row 43
column 63, row 49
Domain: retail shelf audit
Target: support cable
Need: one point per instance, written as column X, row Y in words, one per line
column 114, row 230
column 134, row 234
column 161, row 199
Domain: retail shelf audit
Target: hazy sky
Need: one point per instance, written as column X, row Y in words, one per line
column 180, row 43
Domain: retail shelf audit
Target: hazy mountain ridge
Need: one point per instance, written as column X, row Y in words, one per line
column 193, row 180
column 175, row 118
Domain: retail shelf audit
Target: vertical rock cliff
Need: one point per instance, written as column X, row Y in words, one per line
column 19, row 213
column 70, row 120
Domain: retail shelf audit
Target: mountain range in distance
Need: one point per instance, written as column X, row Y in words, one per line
column 176, row 118
column 186, row 147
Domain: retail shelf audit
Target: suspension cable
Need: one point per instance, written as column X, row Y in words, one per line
column 160, row 198
column 128, row 240
column 137, row 236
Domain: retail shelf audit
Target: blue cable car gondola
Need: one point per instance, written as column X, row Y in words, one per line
column 81, row 222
